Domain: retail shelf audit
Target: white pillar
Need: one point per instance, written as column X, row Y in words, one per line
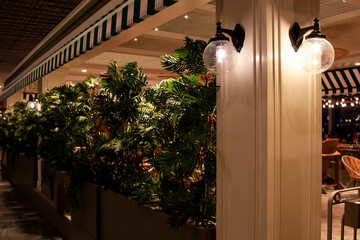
column 54, row 79
column 269, row 128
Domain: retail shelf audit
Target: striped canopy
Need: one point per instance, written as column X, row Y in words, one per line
column 120, row 19
column 342, row 81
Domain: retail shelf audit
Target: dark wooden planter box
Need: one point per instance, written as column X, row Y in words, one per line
column 2, row 156
column 86, row 216
column 61, row 198
column 122, row 217
column 102, row 214
column 26, row 170
column 106, row 215
column 47, row 190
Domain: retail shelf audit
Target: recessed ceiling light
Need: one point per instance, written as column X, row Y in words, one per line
column 357, row 64
column 186, row 16
column 84, row 70
column 156, row 29
column 135, row 39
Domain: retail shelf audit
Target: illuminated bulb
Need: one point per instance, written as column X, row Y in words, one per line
column 357, row 64
column 343, row 100
column 352, row 104
column 156, row 29
column 316, row 48
column 135, row 39
column 32, row 106
column 186, row 16
column 315, row 55
column 323, row 106
column 84, row 70
column 337, row 103
column 220, row 56
column 329, row 101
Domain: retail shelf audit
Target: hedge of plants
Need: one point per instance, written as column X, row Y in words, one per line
column 156, row 145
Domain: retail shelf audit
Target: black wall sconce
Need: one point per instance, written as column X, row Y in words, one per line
column 315, row 54
column 220, row 55
column 32, row 105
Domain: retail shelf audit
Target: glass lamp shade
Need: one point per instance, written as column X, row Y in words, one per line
column 32, row 106
column 316, row 55
column 219, row 56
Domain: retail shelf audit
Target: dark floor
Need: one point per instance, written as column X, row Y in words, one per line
column 18, row 219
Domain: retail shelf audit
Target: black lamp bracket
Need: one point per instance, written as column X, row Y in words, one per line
column 31, row 98
column 297, row 34
column 237, row 35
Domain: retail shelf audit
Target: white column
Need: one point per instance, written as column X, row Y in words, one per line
column 54, row 79
column 269, row 128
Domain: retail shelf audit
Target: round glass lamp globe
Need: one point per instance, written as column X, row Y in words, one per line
column 316, row 55
column 219, row 56
column 32, row 106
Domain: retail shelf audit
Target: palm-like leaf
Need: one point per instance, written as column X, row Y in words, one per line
column 188, row 58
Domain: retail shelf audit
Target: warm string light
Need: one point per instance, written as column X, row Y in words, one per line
column 341, row 101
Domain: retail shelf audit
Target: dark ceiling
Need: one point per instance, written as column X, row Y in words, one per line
column 24, row 23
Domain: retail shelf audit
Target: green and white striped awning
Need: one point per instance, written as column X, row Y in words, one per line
column 343, row 81
column 120, row 19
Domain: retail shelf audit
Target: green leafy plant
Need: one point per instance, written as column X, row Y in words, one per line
column 187, row 163
column 65, row 121
column 187, row 58
column 154, row 145
column 185, row 128
column 121, row 149
column 19, row 132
